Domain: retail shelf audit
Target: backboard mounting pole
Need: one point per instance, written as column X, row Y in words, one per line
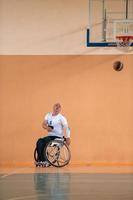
column 90, row 14
column 104, row 19
column 127, row 4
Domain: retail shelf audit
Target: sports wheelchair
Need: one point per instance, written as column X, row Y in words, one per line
column 57, row 153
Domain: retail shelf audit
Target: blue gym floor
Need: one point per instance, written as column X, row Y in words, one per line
column 66, row 186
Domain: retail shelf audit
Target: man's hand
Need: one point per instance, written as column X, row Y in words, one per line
column 49, row 129
column 45, row 126
column 68, row 141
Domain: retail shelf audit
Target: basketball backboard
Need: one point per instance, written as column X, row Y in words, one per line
column 107, row 20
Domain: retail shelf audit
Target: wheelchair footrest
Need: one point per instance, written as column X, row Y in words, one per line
column 42, row 164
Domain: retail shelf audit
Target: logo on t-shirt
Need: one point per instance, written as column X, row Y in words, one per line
column 50, row 122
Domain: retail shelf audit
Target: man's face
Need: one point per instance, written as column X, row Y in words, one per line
column 56, row 108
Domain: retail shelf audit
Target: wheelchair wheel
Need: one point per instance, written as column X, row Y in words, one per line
column 35, row 155
column 57, row 153
column 36, row 158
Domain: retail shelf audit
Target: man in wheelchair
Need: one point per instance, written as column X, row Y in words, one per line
column 57, row 126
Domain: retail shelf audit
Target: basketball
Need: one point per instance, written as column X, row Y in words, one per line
column 118, row 65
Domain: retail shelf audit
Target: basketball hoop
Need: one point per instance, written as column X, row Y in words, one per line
column 124, row 41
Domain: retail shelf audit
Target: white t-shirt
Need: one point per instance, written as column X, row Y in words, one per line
column 59, row 122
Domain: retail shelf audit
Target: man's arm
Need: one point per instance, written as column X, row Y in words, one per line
column 68, row 141
column 66, row 130
column 67, row 133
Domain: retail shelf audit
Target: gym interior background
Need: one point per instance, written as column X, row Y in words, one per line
column 96, row 99
column 43, row 60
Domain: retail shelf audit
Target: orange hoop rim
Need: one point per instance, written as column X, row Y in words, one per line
column 124, row 37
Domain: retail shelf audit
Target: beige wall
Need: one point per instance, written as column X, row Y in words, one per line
column 43, row 27
column 96, row 100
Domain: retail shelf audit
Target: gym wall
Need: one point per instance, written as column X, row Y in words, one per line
column 96, row 100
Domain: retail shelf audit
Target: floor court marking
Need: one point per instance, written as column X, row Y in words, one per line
column 29, row 197
column 42, row 195
column 12, row 172
column 45, row 195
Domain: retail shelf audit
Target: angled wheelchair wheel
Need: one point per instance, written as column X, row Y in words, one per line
column 36, row 158
column 57, row 153
column 35, row 155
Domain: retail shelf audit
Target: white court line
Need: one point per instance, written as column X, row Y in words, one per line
column 27, row 197
column 13, row 172
column 46, row 195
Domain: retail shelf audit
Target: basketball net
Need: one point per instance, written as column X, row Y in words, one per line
column 124, row 42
